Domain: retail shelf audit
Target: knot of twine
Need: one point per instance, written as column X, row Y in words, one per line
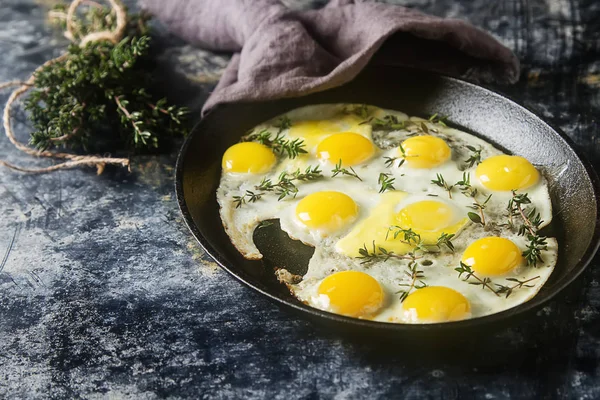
column 74, row 160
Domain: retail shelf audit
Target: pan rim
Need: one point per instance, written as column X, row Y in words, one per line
column 527, row 307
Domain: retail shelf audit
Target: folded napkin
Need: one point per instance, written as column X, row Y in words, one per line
column 283, row 53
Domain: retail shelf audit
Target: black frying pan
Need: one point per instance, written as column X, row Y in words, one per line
column 574, row 186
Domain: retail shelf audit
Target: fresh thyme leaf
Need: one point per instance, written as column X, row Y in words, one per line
column 441, row 182
column 389, row 161
column 283, row 124
column 475, row 218
column 339, row 170
column 386, row 182
column 424, row 128
column 437, row 119
column 445, row 239
column 408, row 235
column 475, row 158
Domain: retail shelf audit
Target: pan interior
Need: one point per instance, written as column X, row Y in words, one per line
column 469, row 107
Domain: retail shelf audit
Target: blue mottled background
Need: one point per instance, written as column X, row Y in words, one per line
column 104, row 294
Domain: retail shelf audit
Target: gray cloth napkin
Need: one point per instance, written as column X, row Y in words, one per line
column 282, row 53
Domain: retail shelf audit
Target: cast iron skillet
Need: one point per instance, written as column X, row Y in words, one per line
column 574, row 186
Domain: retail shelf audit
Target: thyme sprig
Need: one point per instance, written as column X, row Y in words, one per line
column 248, row 196
column 344, row 171
column 283, row 123
column 441, row 182
column 386, row 182
column 392, row 123
column 410, row 237
column 285, row 186
column 531, row 224
column 389, row 161
column 387, row 124
column 485, row 283
column 414, row 273
column 361, row 110
column 379, row 253
column 465, row 187
column 508, row 290
column 279, row 144
column 475, row 158
column 438, row 119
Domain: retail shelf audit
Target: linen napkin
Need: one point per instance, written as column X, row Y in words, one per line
column 283, row 53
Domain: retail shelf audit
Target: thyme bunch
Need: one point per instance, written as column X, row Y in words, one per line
column 284, row 187
column 99, row 87
column 338, row 170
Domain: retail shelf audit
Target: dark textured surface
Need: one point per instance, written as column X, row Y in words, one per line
column 103, row 293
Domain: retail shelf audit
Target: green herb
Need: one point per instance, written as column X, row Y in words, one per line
column 361, row 110
column 249, row 197
column 386, row 182
column 441, row 182
column 280, row 145
column 445, row 239
column 531, row 224
column 283, row 124
column 387, row 124
column 100, row 87
column 475, row 158
column 408, row 235
column 343, row 171
column 437, row 119
column 285, row 185
column 485, row 283
column 509, row 289
column 424, row 128
column 379, row 253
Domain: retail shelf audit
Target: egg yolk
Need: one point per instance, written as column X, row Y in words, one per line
column 492, row 256
column 349, row 147
column 436, row 304
column 326, row 210
column 352, row 293
column 312, row 132
column 425, row 151
column 505, row 172
column 248, row 157
column 428, row 218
